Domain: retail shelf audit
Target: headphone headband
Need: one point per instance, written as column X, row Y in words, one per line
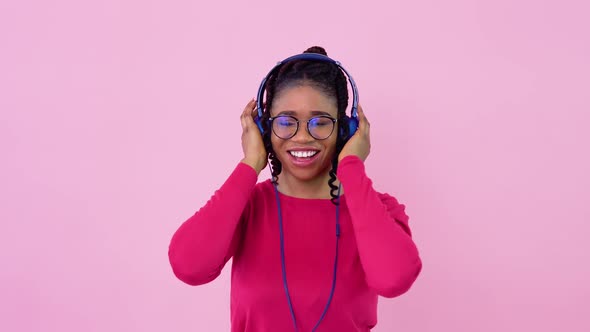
column 312, row 57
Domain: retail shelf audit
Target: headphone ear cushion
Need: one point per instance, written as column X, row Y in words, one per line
column 351, row 123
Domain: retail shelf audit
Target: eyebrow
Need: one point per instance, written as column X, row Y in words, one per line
column 312, row 113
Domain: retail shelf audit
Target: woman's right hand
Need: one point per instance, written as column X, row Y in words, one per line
column 255, row 154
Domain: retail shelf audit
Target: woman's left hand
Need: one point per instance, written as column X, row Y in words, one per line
column 360, row 143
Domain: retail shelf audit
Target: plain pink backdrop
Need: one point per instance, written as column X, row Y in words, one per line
column 120, row 118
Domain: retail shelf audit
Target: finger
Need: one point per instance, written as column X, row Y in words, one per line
column 254, row 112
column 251, row 104
column 250, row 115
column 249, row 110
column 247, row 114
column 243, row 122
column 362, row 113
column 363, row 122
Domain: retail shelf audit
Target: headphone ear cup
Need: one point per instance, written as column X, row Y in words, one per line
column 258, row 122
column 353, row 124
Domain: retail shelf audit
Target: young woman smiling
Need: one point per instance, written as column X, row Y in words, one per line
column 315, row 246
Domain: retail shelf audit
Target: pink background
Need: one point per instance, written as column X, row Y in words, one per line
column 120, row 118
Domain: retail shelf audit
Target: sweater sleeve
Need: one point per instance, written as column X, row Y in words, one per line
column 202, row 245
column 389, row 257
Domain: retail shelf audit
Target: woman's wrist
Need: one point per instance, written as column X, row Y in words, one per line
column 256, row 166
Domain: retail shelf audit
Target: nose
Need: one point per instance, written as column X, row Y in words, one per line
column 302, row 135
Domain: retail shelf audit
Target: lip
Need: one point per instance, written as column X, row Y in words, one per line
column 302, row 149
column 303, row 162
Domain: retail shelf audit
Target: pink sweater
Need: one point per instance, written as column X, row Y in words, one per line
column 376, row 253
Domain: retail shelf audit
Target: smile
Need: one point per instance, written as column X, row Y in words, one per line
column 303, row 154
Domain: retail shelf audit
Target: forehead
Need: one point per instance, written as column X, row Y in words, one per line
column 304, row 100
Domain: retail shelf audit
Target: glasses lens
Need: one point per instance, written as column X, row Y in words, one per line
column 284, row 126
column 321, row 127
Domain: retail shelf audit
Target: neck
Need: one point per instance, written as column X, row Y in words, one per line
column 317, row 188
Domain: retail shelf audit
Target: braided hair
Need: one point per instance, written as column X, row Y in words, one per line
column 326, row 77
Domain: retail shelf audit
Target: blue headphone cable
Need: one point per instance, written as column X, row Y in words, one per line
column 283, row 265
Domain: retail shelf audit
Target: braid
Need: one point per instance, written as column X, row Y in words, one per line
column 328, row 78
column 343, row 131
column 275, row 163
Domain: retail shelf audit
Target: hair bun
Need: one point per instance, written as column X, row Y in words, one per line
column 316, row 49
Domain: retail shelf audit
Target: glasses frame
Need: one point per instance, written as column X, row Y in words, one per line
column 271, row 119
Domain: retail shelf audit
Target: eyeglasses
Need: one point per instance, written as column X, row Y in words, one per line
column 286, row 126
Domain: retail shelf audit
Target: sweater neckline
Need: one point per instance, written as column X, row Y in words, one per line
column 301, row 199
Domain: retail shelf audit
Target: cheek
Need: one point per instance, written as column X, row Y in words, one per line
column 276, row 144
column 330, row 146
column 273, row 142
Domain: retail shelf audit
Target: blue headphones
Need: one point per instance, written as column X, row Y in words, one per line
column 350, row 122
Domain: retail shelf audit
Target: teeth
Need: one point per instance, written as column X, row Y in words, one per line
column 302, row 154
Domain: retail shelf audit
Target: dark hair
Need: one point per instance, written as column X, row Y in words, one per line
column 326, row 77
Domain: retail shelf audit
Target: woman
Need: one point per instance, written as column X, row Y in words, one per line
column 314, row 246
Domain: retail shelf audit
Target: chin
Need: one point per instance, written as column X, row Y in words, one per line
column 305, row 169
